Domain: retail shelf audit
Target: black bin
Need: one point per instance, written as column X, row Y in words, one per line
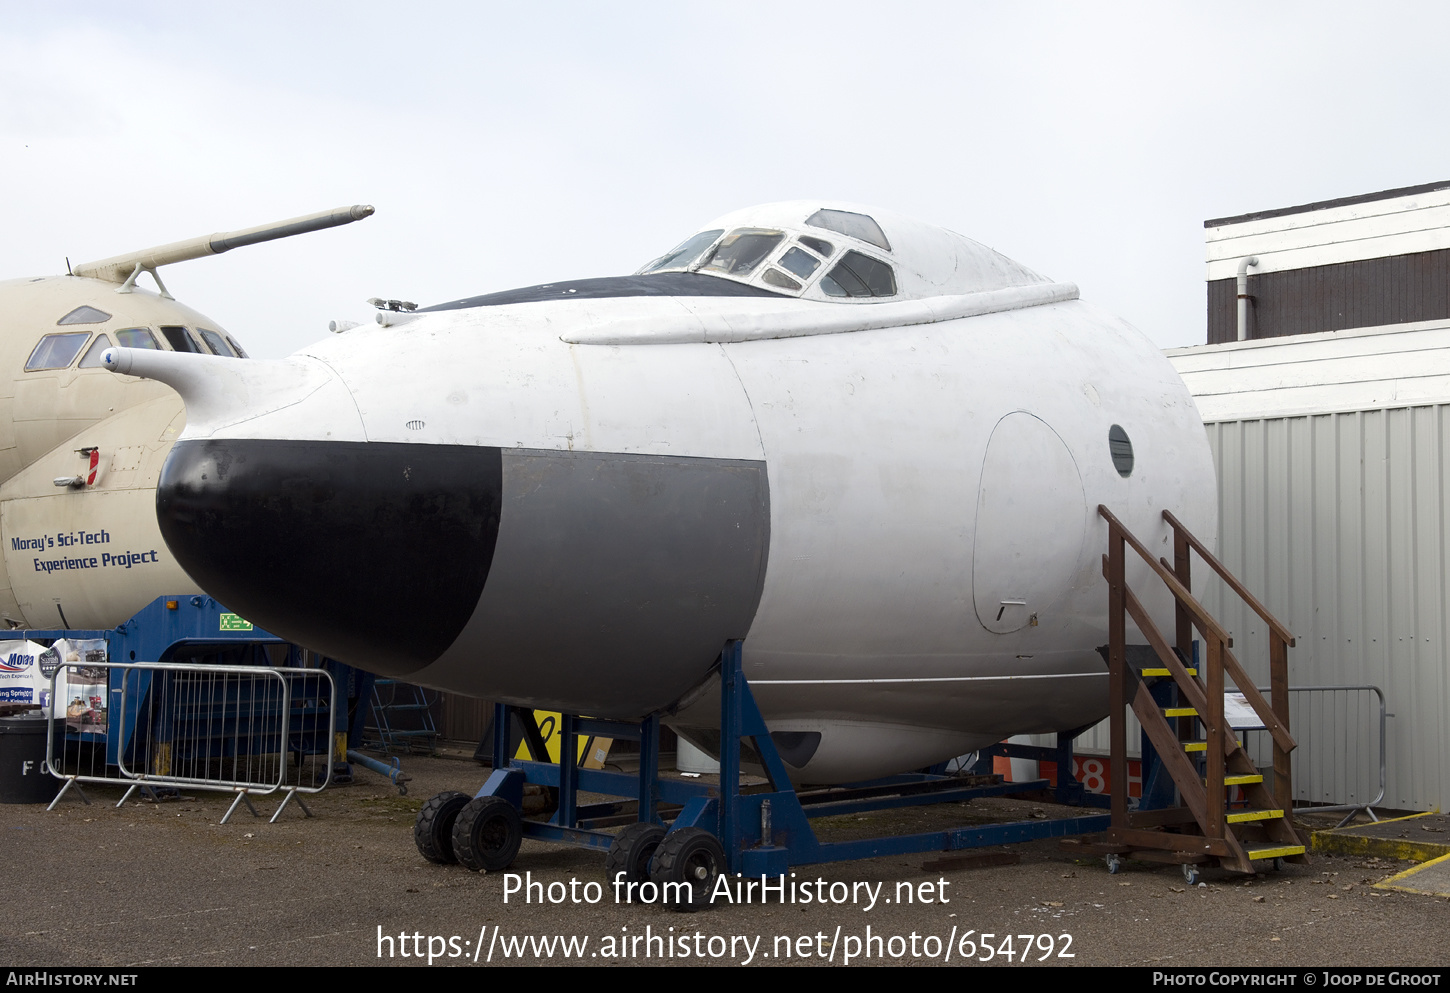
column 23, row 776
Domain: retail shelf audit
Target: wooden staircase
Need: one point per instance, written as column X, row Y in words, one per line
column 1197, row 748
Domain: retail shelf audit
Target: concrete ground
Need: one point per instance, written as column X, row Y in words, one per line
column 1430, row 878
column 165, row 883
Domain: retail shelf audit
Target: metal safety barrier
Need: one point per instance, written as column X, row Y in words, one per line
column 247, row 730
column 1332, row 768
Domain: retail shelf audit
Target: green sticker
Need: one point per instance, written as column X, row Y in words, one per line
column 232, row 622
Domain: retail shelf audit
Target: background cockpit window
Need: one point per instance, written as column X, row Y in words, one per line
column 85, row 315
column 180, row 340
column 218, row 346
column 56, row 351
column 94, row 353
column 136, row 338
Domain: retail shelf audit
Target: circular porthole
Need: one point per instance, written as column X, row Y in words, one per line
column 1121, row 449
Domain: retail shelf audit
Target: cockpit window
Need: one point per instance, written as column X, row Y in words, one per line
column 818, row 245
column 136, row 338
column 799, row 262
column 683, row 255
column 180, row 340
column 56, row 351
column 742, row 250
column 241, row 352
column 218, row 345
column 85, row 315
column 857, row 226
column 94, row 353
column 775, row 277
column 858, row 275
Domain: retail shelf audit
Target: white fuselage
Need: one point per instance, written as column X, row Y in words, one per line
column 933, row 577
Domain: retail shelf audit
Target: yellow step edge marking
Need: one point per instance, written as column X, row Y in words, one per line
column 1180, row 712
column 1202, row 746
column 1253, row 815
column 1165, row 672
column 1239, row 780
column 1275, row 853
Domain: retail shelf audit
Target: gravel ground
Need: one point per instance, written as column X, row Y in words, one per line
column 165, row 883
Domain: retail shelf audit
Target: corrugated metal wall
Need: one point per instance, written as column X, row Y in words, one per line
column 1339, row 523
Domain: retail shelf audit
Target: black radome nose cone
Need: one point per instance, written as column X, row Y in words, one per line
column 373, row 554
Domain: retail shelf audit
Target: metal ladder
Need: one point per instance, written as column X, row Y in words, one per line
column 401, row 719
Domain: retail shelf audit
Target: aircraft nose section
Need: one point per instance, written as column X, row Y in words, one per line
column 375, row 554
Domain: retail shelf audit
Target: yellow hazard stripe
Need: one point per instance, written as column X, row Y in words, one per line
column 1284, row 851
column 1253, row 815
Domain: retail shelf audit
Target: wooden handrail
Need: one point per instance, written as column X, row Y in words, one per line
column 1205, row 621
column 1272, row 721
column 1191, row 689
column 1228, row 577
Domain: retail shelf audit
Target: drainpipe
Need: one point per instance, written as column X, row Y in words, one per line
column 1243, row 284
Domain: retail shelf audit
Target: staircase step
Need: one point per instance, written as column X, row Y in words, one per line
column 1274, row 851
column 1202, row 746
column 1239, row 780
column 1240, row 816
column 1179, row 712
column 1165, row 672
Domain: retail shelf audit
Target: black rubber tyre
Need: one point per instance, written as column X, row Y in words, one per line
column 631, row 852
column 433, row 830
column 487, row 833
column 694, row 857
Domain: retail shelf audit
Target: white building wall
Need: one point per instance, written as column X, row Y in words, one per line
column 1417, row 222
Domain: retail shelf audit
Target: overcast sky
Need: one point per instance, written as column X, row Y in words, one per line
column 505, row 145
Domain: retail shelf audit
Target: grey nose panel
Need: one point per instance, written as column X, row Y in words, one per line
column 615, row 581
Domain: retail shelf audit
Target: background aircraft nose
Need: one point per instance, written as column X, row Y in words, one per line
column 371, row 553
